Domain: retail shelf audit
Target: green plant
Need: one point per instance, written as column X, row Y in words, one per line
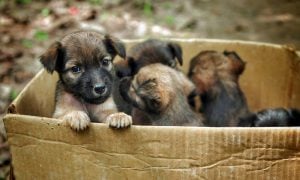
column 13, row 94
column 41, row 35
column 147, row 8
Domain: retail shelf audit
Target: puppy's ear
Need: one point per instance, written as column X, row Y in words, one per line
column 176, row 51
column 115, row 46
column 50, row 58
column 238, row 65
column 123, row 69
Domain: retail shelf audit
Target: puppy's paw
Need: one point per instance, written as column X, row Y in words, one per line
column 119, row 120
column 77, row 120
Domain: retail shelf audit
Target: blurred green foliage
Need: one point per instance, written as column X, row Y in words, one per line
column 170, row 20
column 41, row 35
column 45, row 12
column 147, row 8
column 96, row 2
column 27, row 43
column 13, row 94
column 23, row 1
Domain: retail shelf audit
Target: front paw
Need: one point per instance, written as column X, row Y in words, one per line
column 77, row 120
column 119, row 120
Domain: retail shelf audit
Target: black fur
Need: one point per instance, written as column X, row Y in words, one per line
column 218, row 108
column 216, row 78
column 271, row 117
column 149, row 52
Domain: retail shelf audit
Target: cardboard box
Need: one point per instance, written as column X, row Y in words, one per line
column 42, row 148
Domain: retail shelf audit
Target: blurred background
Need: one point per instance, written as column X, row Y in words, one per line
column 28, row 27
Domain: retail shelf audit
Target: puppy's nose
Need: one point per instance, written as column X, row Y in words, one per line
column 100, row 88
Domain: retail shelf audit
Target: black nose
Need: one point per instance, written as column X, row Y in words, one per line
column 100, row 88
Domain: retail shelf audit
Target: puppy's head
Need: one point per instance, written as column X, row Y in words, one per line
column 154, row 87
column 210, row 66
column 83, row 61
column 149, row 52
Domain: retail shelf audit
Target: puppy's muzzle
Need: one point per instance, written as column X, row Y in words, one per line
column 100, row 88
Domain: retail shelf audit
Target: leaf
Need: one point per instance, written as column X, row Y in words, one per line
column 41, row 35
column 13, row 94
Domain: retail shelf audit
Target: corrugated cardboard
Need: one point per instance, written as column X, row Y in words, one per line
column 43, row 148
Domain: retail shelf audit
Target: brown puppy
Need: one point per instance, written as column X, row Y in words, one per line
column 216, row 78
column 83, row 61
column 159, row 91
column 149, row 52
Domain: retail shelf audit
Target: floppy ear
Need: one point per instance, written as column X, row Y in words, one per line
column 176, row 51
column 238, row 65
column 115, row 46
column 50, row 58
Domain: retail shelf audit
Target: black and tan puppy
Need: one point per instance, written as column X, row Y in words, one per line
column 271, row 117
column 149, row 52
column 83, row 61
column 216, row 78
column 159, row 91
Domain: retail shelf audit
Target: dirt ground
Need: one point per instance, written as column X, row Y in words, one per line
column 28, row 27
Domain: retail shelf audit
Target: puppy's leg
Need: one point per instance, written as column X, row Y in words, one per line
column 71, row 111
column 107, row 112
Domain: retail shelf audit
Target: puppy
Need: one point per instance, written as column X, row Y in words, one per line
column 83, row 61
column 143, row 54
column 149, row 52
column 216, row 78
column 159, row 91
column 271, row 117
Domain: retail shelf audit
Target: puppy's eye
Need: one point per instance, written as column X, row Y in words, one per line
column 76, row 69
column 155, row 103
column 106, row 61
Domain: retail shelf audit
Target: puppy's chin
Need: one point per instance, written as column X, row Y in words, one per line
column 98, row 100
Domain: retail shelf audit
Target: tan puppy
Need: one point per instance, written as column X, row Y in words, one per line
column 83, row 61
column 160, row 92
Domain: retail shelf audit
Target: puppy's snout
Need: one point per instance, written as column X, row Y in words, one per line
column 100, row 88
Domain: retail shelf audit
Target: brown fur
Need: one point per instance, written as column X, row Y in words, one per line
column 146, row 53
column 83, row 62
column 216, row 78
column 159, row 92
